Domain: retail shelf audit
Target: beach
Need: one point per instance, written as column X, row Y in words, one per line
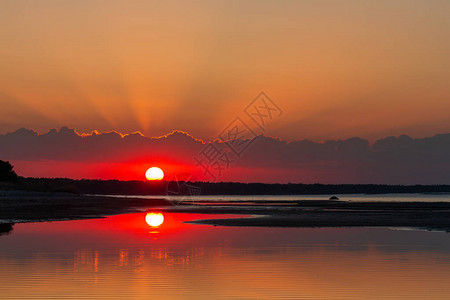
column 18, row 207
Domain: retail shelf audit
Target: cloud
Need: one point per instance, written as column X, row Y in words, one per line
column 392, row 160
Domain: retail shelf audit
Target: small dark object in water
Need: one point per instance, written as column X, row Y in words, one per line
column 6, row 228
column 333, row 198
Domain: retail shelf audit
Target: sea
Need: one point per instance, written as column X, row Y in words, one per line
column 426, row 197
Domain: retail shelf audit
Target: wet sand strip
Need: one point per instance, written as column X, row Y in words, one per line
column 424, row 215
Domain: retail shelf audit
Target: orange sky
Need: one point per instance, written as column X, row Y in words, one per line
column 337, row 69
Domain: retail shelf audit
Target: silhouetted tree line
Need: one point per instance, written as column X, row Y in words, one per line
column 116, row 187
column 7, row 173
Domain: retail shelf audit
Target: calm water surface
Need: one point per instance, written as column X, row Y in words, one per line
column 442, row 197
column 122, row 257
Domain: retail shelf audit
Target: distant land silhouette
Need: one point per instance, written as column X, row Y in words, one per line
column 117, row 187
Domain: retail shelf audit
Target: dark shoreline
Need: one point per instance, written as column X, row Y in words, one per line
column 37, row 207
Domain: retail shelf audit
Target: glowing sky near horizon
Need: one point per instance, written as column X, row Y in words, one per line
column 337, row 68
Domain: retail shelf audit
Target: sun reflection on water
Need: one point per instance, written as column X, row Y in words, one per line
column 154, row 219
column 105, row 258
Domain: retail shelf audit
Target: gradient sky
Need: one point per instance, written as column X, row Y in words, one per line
column 338, row 69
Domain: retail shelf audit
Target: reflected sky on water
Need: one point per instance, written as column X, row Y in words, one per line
column 123, row 257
